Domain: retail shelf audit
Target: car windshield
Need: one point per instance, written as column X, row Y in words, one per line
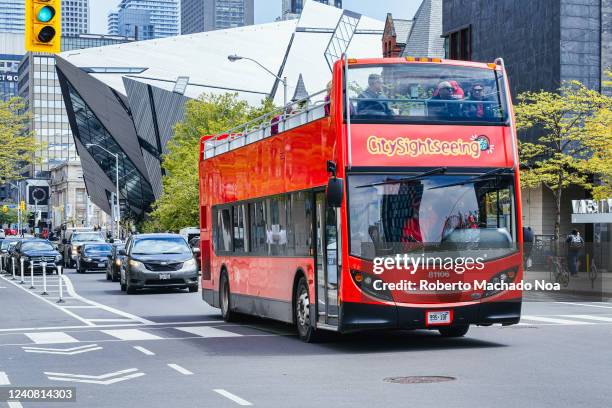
column 154, row 246
column 97, row 248
column 425, row 93
column 87, row 236
column 36, row 246
column 431, row 214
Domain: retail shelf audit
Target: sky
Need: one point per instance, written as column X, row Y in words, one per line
column 267, row 10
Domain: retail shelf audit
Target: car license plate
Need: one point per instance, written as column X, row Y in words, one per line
column 163, row 276
column 439, row 317
column 101, row 265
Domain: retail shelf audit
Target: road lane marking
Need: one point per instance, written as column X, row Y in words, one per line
column 80, row 307
column 585, row 304
column 144, row 350
column 72, row 292
column 55, row 305
column 15, row 404
column 109, row 320
column 51, row 338
column 64, row 352
column 206, row 331
column 104, row 379
column 4, row 380
column 552, row 320
column 131, row 334
column 591, row 317
column 233, row 397
column 180, row 369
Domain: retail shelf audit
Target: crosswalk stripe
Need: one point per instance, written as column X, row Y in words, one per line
column 4, row 380
column 205, row 331
column 551, row 320
column 131, row 334
column 591, row 317
column 51, row 338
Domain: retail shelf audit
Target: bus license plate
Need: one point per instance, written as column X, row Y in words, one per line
column 439, row 317
column 163, row 276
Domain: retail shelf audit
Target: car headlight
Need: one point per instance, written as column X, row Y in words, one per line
column 136, row 264
column 118, row 262
column 58, row 258
column 189, row 264
column 87, row 259
column 75, row 251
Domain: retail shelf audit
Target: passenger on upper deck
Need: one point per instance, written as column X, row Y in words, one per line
column 445, row 91
column 474, row 110
column 367, row 104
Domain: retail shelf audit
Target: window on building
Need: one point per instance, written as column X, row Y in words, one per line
column 458, row 45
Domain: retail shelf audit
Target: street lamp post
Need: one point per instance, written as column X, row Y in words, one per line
column 234, row 58
column 118, row 207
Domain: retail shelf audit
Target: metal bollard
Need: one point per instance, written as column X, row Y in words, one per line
column 59, row 278
column 32, row 275
column 21, row 283
column 44, row 292
column 13, row 260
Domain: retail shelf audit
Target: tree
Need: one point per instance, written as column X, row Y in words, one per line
column 573, row 143
column 178, row 207
column 18, row 145
column 10, row 217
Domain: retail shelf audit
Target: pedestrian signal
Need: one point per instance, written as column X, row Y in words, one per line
column 43, row 26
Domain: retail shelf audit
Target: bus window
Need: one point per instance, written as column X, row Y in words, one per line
column 239, row 228
column 426, row 93
column 222, row 231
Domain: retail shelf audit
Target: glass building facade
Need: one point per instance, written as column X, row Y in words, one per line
column 293, row 8
column 135, row 190
column 9, row 65
column 39, row 86
column 145, row 19
column 207, row 15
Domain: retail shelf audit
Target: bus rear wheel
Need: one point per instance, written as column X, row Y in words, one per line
column 225, row 299
column 454, row 331
column 305, row 330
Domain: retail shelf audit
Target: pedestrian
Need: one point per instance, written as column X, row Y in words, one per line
column 575, row 244
column 528, row 239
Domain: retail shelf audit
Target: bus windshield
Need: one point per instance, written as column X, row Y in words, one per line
column 426, row 93
column 396, row 214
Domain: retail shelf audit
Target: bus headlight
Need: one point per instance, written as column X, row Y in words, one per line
column 367, row 283
column 504, row 277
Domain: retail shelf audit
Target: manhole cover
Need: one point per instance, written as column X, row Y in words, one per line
column 421, row 379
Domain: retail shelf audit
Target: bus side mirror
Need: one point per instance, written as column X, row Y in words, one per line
column 335, row 192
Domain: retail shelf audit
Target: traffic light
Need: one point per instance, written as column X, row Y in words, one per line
column 22, row 206
column 43, row 26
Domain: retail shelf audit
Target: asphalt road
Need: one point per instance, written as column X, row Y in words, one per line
column 168, row 348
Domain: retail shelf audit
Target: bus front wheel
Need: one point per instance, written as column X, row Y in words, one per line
column 225, row 299
column 454, row 331
column 302, row 313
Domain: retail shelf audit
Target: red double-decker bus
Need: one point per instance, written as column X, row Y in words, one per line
column 374, row 206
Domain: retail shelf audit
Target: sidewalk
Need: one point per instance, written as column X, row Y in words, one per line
column 578, row 285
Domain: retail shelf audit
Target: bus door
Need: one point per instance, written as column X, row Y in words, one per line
column 326, row 259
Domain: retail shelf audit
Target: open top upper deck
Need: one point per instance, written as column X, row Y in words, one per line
column 391, row 91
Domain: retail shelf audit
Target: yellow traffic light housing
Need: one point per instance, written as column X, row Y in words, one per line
column 43, row 25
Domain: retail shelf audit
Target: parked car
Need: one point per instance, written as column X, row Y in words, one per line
column 113, row 268
column 2, row 234
column 158, row 260
column 5, row 246
column 93, row 257
column 37, row 252
column 195, row 248
column 71, row 245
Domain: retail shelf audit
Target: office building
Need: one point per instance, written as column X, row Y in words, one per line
column 38, row 85
column 293, row 8
column 207, row 15
column 11, row 53
column 145, row 19
column 133, row 107
column 75, row 16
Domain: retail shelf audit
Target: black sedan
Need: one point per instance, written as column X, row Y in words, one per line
column 113, row 264
column 36, row 252
column 93, row 257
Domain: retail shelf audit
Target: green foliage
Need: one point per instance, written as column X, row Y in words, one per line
column 9, row 218
column 178, row 207
column 573, row 143
column 18, row 145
